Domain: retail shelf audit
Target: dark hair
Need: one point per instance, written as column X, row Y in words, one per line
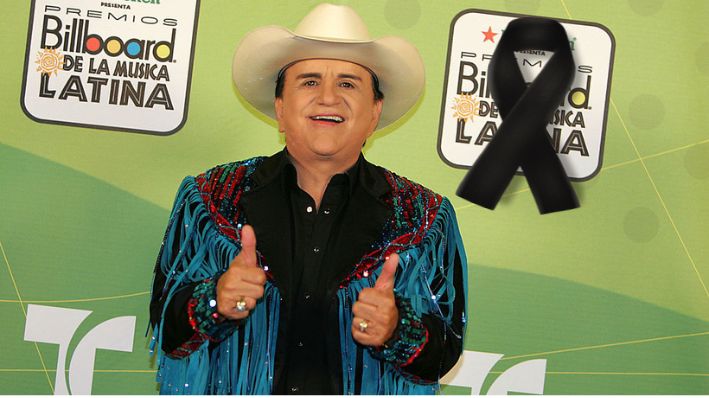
column 280, row 80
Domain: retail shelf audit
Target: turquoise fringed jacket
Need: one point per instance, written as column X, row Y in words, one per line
column 203, row 237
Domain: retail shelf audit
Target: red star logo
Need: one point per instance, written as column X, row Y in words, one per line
column 489, row 35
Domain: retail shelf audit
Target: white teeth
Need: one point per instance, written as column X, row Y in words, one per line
column 336, row 119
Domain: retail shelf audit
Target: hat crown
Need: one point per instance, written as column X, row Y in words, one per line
column 331, row 22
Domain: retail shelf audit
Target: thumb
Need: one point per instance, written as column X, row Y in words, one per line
column 248, row 245
column 386, row 278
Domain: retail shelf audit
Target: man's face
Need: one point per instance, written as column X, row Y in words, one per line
column 327, row 109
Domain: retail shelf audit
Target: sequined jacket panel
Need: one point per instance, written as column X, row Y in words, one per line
column 395, row 215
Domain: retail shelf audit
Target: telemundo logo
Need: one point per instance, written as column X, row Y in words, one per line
column 474, row 368
column 55, row 325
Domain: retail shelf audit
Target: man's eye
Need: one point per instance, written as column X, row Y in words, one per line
column 310, row 83
column 346, row 85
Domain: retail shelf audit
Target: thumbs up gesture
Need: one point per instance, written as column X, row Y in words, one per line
column 375, row 312
column 242, row 284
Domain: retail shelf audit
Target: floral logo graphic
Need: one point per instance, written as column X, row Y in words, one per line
column 49, row 60
column 466, row 106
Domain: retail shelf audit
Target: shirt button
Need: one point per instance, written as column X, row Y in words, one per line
column 326, row 211
column 307, row 297
column 316, row 249
column 309, row 209
column 300, row 344
column 294, row 389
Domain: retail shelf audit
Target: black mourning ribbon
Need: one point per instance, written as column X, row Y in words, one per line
column 522, row 138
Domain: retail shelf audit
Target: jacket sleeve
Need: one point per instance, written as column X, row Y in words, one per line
column 190, row 260
column 434, row 296
column 445, row 339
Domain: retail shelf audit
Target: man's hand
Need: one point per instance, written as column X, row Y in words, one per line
column 243, row 282
column 375, row 312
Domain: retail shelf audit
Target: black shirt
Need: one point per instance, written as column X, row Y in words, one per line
column 306, row 368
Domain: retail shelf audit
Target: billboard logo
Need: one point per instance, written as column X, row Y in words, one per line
column 470, row 118
column 57, row 325
column 110, row 65
column 77, row 39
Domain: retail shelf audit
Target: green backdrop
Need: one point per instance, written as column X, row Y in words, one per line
column 613, row 295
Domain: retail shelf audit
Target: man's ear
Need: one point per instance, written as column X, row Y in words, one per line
column 376, row 113
column 278, row 106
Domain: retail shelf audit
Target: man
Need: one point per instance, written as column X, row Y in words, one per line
column 312, row 271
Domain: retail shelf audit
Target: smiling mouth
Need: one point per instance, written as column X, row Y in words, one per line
column 328, row 118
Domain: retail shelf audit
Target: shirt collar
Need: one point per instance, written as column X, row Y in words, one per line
column 350, row 176
column 365, row 175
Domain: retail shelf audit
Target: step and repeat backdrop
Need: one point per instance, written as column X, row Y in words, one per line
column 106, row 105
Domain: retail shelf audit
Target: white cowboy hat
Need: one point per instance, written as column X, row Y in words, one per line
column 333, row 32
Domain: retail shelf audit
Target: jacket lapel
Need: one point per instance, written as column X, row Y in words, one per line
column 267, row 210
column 362, row 223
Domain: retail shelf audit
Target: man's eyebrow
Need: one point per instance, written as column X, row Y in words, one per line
column 309, row 75
column 349, row 76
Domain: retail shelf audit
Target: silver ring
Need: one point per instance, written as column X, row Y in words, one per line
column 240, row 305
column 363, row 325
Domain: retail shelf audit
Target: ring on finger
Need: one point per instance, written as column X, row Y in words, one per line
column 240, row 305
column 363, row 325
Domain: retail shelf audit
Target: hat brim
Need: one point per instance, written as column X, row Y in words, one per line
column 263, row 52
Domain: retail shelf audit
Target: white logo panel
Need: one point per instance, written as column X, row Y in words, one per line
column 110, row 64
column 470, row 118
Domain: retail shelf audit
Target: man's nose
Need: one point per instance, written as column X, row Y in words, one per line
column 328, row 94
